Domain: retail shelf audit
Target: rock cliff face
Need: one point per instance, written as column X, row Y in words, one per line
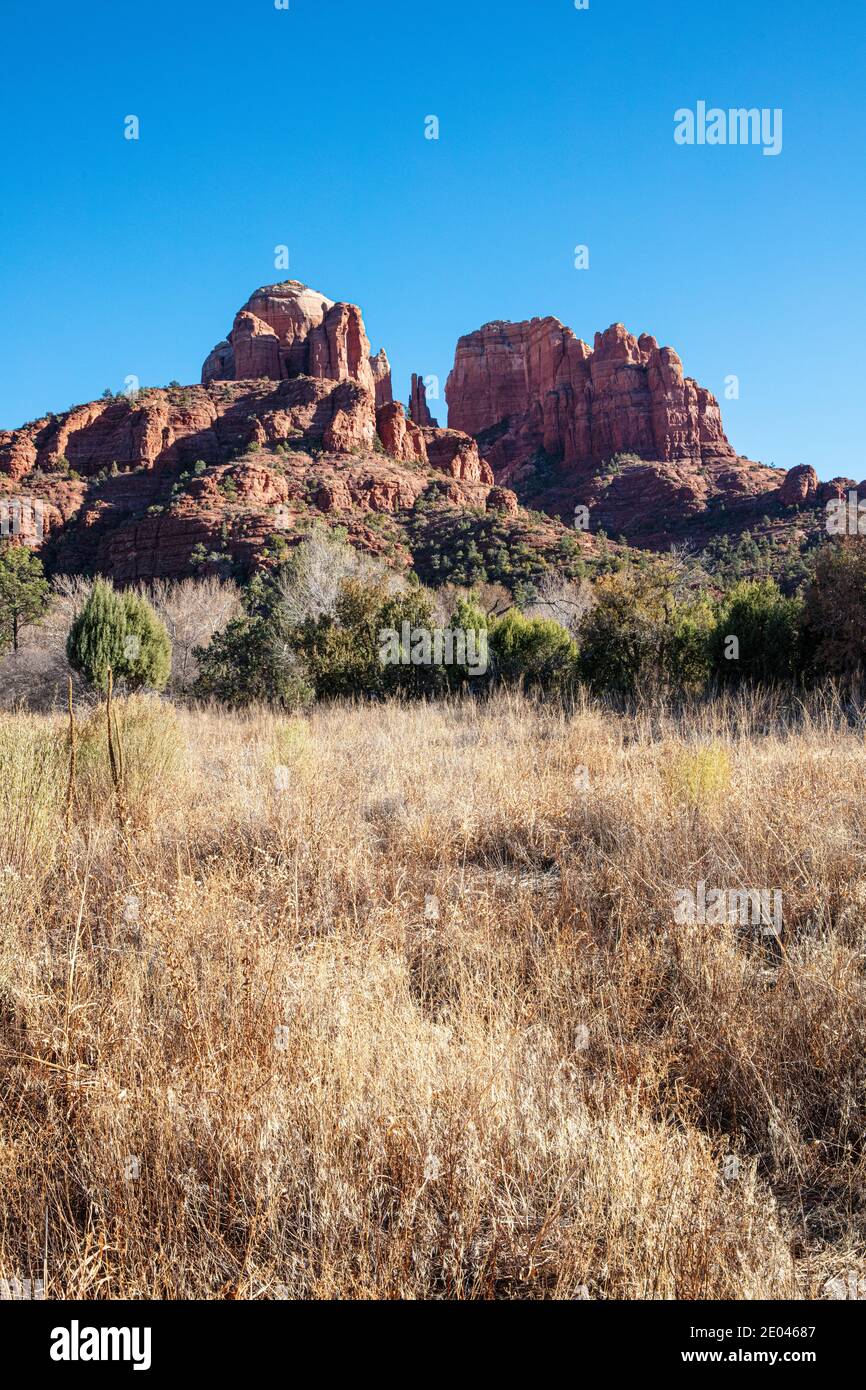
column 536, row 385
column 618, row 428
column 161, row 429
column 176, row 478
column 401, row 438
column 800, row 486
column 456, row 454
column 382, row 377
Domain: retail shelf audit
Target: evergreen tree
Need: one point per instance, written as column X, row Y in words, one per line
column 251, row 662
column 639, row 639
column 146, row 645
column 535, row 651
column 24, row 592
column 95, row 642
column 120, row 633
column 834, row 622
column 766, row 626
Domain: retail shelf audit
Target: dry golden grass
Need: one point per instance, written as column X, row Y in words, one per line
column 413, row 1018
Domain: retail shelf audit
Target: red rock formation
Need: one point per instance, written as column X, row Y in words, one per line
column 289, row 416
column 534, row 385
column 162, row 429
column 353, row 422
column 502, row 499
column 456, row 454
column 219, row 365
column 17, row 454
column 401, row 438
column 137, row 488
column 25, row 520
column 291, row 312
column 551, row 415
column 257, row 484
column 382, row 376
column 833, row 491
column 652, row 503
column 256, row 348
column 419, row 411
column 800, row 486
column 340, row 348
column 288, row 330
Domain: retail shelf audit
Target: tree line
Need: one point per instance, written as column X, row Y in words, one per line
column 328, row 622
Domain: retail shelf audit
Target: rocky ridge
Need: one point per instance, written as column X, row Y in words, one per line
column 295, row 417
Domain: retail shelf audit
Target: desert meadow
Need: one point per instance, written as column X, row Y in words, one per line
column 388, row 1001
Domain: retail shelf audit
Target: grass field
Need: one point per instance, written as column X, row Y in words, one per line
column 390, row 1002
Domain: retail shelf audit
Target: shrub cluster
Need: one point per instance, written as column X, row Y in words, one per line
column 270, row 655
column 643, row 632
column 326, row 622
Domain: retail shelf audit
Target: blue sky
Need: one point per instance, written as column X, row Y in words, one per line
column 305, row 127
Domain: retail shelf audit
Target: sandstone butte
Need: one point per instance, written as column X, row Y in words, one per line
column 617, row 427
column 295, row 416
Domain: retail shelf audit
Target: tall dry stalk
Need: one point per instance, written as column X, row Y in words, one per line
column 70, row 785
column 115, row 760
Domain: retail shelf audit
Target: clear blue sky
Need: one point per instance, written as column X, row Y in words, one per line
column 306, row 127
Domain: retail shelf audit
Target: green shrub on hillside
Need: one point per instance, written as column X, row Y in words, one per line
column 414, row 608
column 24, row 592
column 834, row 611
column 640, row 638
column 120, row 633
column 319, row 627
column 340, row 648
column 247, row 664
column 765, row 627
column 535, row 652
